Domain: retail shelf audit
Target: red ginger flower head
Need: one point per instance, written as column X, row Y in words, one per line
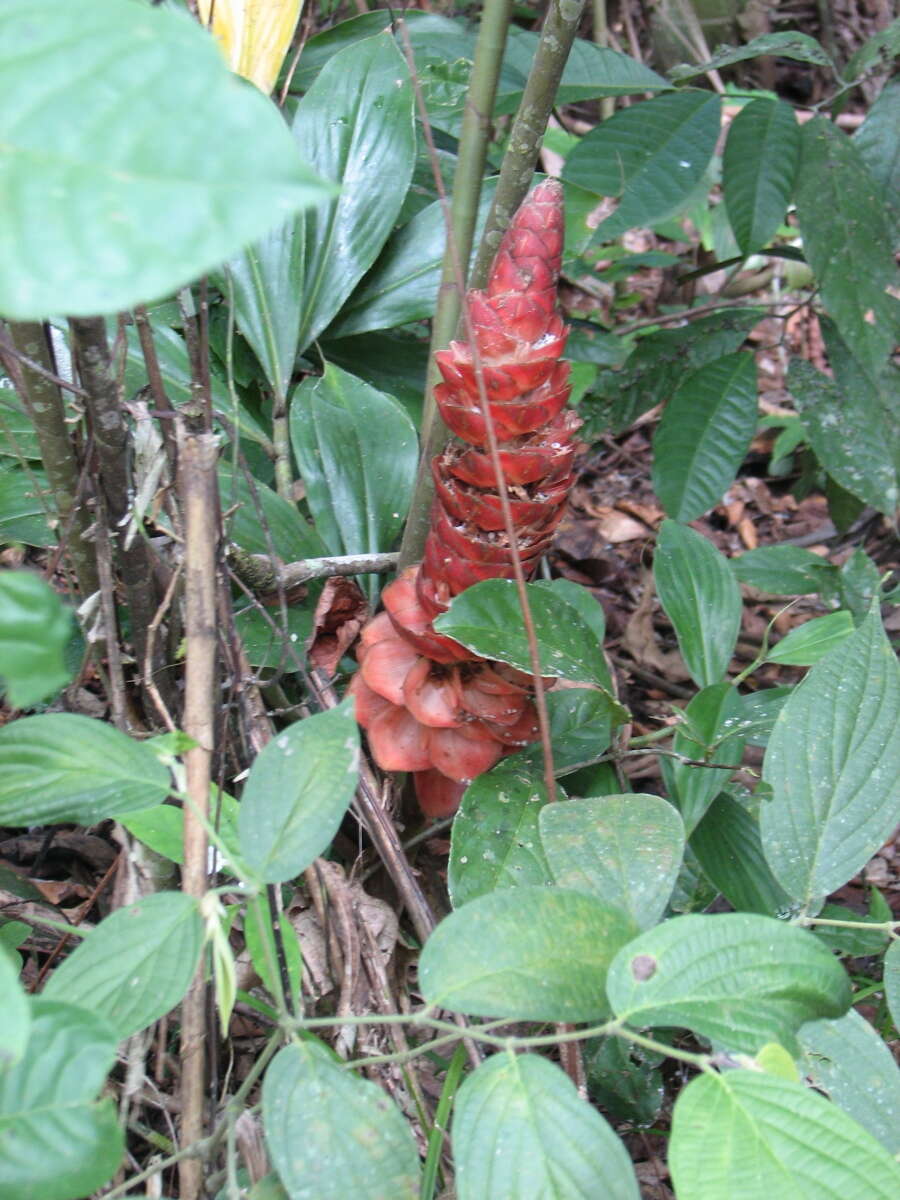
column 427, row 703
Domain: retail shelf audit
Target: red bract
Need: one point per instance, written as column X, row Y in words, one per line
column 428, row 704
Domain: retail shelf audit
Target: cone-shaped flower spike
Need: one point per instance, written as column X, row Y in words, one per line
column 428, row 705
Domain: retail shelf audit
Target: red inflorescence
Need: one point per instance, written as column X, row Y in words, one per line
column 428, row 704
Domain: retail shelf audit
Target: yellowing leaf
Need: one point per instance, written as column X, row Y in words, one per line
column 254, row 34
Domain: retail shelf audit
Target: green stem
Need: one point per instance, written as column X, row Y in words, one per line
column 601, row 38
column 463, row 214
column 885, row 926
column 439, row 1129
column 520, row 159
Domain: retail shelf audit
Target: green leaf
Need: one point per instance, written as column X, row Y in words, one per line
column 25, row 500
column 503, row 955
column 16, row 1015
column 807, row 643
column 521, row 1129
column 760, row 711
column 710, row 734
column 798, row 46
column 847, row 241
column 59, row 1142
column 848, row 1061
column 581, row 721
column 850, row 439
column 266, row 646
column 651, row 156
column 758, row 170
column 701, row 598
column 892, row 982
column 784, row 570
column 299, row 788
column 64, row 767
column 260, row 936
column 833, row 764
column 162, row 828
column 97, row 219
column 35, row 627
column 738, row 980
column 495, row 841
column 863, row 939
column 624, row 849
column 487, row 619
column 136, row 964
column 876, row 52
column 17, row 436
column 355, row 126
column 590, row 71
column 745, row 1135
column 728, row 846
column 624, row 1080
column 358, row 485
column 877, row 142
column 391, row 362
column 264, row 523
column 704, row 434
column 333, row 1135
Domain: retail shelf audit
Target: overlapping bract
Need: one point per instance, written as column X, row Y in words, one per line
column 428, row 705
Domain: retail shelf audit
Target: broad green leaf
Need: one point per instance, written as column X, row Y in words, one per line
column 98, row 219
column 745, row 1135
column 357, row 452
column 16, row 1024
column 521, row 1129
column 581, row 721
column 758, row 170
column 264, row 523
column 35, row 626
column 391, row 362
column 25, row 501
column 833, row 763
column 162, row 828
column 848, row 1061
column 504, row 955
column 784, row 570
column 807, row 643
column 701, row 598
column 65, row 767
column 738, row 980
column 760, row 711
column 727, row 844
column 624, row 849
column 59, row 1141
column 710, row 733
column 704, row 434
column 851, row 438
column 863, row 938
column 487, row 619
column 624, row 1080
column 299, row 788
column 658, row 365
column 876, row 140
column 798, row 46
column 17, row 436
column 331, row 1134
column 892, row 982
column 355, row 126
column 136, row 964
column 495, row 841
column 266, row 646
column 651, row 156
column 846, row 240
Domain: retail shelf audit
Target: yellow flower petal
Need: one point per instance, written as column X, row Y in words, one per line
column 254, row 35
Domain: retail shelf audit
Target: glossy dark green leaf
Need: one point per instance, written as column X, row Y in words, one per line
column 98, row 219
column 650, row 156
column 581, row 723
column 521, row 1129
column 624, row 849
column 136, row 965
column 710, row 733
column 728, row 846
column 333, row 1135
column 848, row 1061
column 59, row 1142
column 503, row 955
column 758, row 170
column 495, row 841
column 833, row 763
column 704, row 434
column 391, row 362
column 876, row 140
column 297, row 792
column 784, row 570
column 17, row 436
column 847, row 241
column 65, row 767
column 355, row 126
column 807, row 643
column 738, row 980
column 746, row 1135
column 358, row 484
column 35, row 626
column 16, row 1013
column 701, row 598
column 798, row 46
column 624, row 1080
column 262, row 522
column 851, row 437
column 270, row 643
column 25, row 501
column 487, row 618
